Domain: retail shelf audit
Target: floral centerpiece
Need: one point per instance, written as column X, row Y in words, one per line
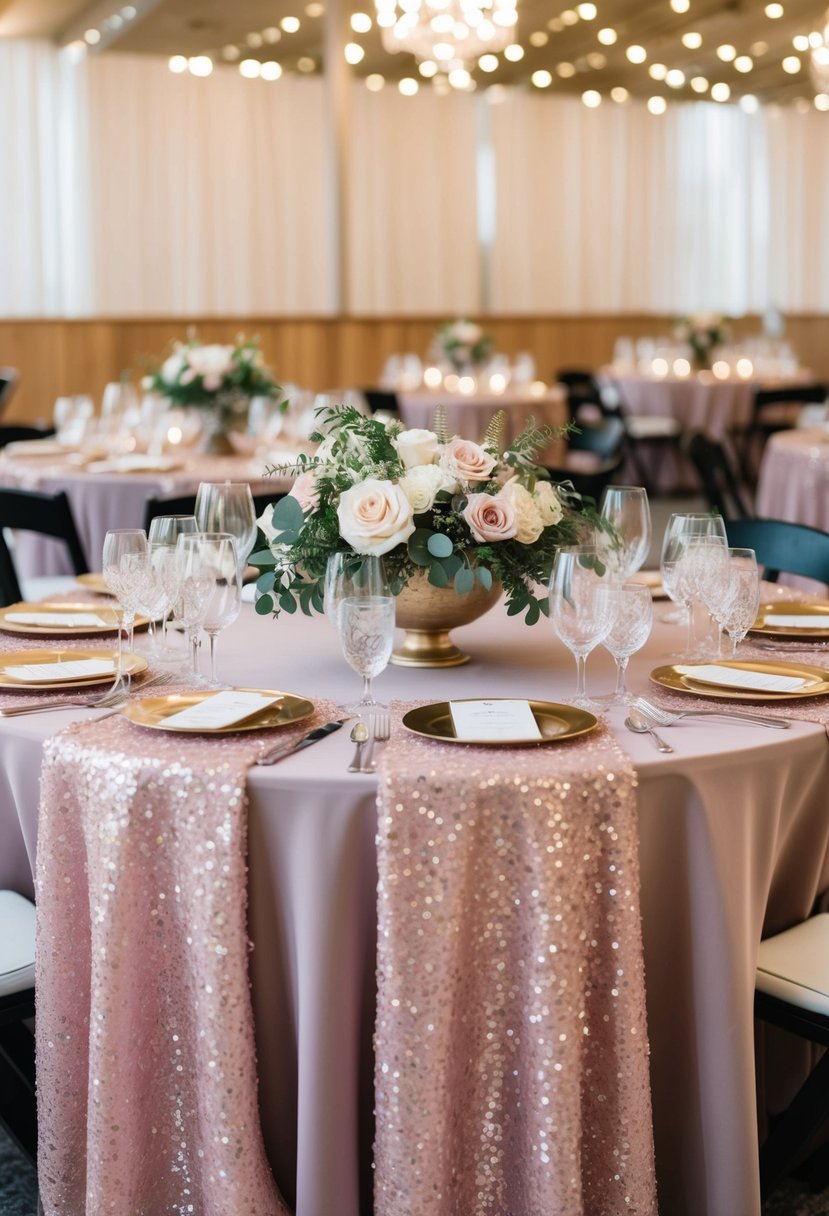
column 702, row 331
column 444, row 512
column 463, row 343
column 219, row 379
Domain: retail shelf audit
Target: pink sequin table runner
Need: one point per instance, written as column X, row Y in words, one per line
column 146, row 1059
column 511, row 1043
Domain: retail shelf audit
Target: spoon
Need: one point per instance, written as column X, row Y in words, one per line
column 359, row 735
column 634, row 722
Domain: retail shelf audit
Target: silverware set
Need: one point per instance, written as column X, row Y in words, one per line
column 645, row 716
column 113, row 698
column 365, row 737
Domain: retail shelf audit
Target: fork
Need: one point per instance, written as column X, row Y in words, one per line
column 666, row 717
column 380, row 733
column 114, row 697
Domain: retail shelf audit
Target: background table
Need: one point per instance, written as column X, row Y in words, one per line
column 734, row 842
column 793, row 481
column 105, row 500
column 468, row 416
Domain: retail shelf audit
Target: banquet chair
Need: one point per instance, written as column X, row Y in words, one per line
column 46, row 514
column 585, row 402
column 773, row 410
column 720, row 483
column 792, row 993
column 648, row 435
column 185, row 504
column 782, row 547
column 8, row 383
column 382, row 400
column 18, row 1110
column 15, row 434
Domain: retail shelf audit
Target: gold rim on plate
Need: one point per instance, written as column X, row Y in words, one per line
column 556, row 723
column 62, row 631
column 93, row 582
column 153, row 712
column 765, row 620
column 132, row 665
column 676, row 677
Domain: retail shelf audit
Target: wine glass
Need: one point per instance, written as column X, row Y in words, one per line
column 682, row 527
column 228, row 507
column 632, row 615
column 626, row 509
column 580, row 613
column 123, row 563
column 163, row 535
column 217, row 552
column 701, row 574
column 194, row 580
column 363, row 606
column 736, row 611
column 338, row 569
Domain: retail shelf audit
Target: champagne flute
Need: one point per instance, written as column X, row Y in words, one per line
column 163, row 534
column 224, row 599
column 364, row 615
column 123, row 561
column 228, row 507
column 632, row 613
column 580, row 613
column 626, row 509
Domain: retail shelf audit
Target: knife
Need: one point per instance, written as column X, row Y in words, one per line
column 287, row 749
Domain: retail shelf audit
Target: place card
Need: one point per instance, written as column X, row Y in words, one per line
column 46, row 619
column 737, row 677
column 491, row 721
column 800, row 620
column 43, row 673
column 221, row 710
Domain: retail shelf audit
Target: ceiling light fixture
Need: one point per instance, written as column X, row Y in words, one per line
column 454, row 33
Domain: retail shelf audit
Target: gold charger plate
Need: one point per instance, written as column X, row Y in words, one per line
column 154, row 712
column 132, row 664
column 62, row 631
column 556, row 723
column 94, row 583
column 765, row 620
column 818, row 686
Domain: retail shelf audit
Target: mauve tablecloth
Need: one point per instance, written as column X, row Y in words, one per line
column 734, row 842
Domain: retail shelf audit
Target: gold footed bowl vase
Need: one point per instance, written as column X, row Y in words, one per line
column 427, row 614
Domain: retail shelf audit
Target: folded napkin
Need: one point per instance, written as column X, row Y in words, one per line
column 737, row 677
column 795, row 620
column 46, row 619
column 51, row 673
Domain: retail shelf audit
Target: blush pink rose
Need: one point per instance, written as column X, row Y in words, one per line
column 305, row 491
column 467, row 461
column 491, row 518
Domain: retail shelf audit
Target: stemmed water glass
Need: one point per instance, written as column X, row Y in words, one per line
column 228, row 507
column 123, row 563
column 163, row 537
column 682, row 529
column 581, row 612
column 361, row 604
column 632, row 613
column 626, row 509
column 194, row 580
column 736, row 598
column 224, row 598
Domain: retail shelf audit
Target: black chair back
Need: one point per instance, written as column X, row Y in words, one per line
column 720, row 483
column 589, row 484
column 381, row 399
column 185, row 504
column 605, row 439
column 772, row 410
column 782, row 547
column 46, row 514
column 8, row 383
column 14, row 434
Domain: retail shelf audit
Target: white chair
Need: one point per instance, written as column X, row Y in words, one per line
column 18, row 1110
column 792, row 992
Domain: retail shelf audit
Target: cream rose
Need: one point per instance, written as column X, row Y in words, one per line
column 491, row 517
column 548, row 503
column 375, row 516
column 416, row 447
column 172, row 368
column 528, row 518
column 305, row 491
column 422, row 484
column 213, row 360
column 467, row 461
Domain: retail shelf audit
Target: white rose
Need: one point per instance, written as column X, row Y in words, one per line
column 375, row 516
column 422, row 484
column 172, row 368
column 416, row 447
column 529, row 522
column 211, row 360
column 548, row 503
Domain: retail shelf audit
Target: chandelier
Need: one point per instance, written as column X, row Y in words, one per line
column 450, row 33
column 820, row 60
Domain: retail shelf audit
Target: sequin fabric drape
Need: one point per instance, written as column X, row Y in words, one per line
column 146, row 1058
column 511, row 1042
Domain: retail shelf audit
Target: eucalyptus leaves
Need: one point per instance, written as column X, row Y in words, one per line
column 463, row 513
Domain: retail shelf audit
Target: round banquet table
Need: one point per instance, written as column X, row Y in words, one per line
column 793, row 481
column 112, row 497
column 468, row 416
column 734, row 843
